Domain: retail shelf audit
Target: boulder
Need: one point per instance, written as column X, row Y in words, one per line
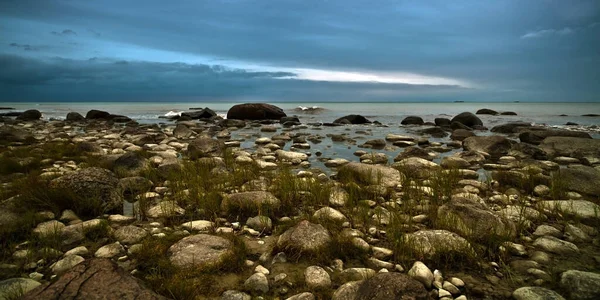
column 391, row 286
column 536, row 293
column 421, row 273
column 581, row 285
column 181, row 131
column 431, row 243
column 486, row 111
column 580, row 209
column 130, row 234
column 495, row 146
column 205, row 146
column 445, row 122
column 30, row 115
column 511, row 127
column 467, row 119
column 536, row 137
column 555, row 245
column 305, row 238
column 461, row 134
column 131, row 162
column 316, row 278
column 205, row 113
column 97, row 114
column 15, row 134
column 95, row 183
column 464, row 216
column 436, row 132
column 347, row 291
column 65, row 264
column 352, row 119
column 94, row 279
column 74, row 117
column 585, row 149
column 255, row 111
column 581, row 179
column 200, row 251
column 13, row 287
column 250, row 202
column 369, row 174
column 412, row 120
column 414, row 151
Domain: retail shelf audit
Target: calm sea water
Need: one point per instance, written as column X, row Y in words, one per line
column 387, row 113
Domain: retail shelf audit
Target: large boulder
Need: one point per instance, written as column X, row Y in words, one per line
column 250, row 202
column 582, row 179
column 585, row 149
column 537, row 136
column 486, row 111
column 304, row 239
column 200, row 251
column 464, row 216
column 93, row 183
column 581, row 285
column 391, row 286
column 495, row 146
column 74, row 117
column 467, row 119
column 352, row 119
column 370, row 174
column 205, row 146
column 94, row 279
column 204, row 113
column 412, row 120
column 255, row 111
column 30, row 115
column 97, row 114
column 511, row 127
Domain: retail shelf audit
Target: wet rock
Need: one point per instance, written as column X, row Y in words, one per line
column 182, row 131
column 442, row 122
column 204, row 113
column 30, row 115
column 461, row 134
column 581, row 285
column 200, row 251
column 495, row 146
column 536, row 137
column 290, row 155
column 131, row 162
column 352, row 119
column 486, row 111
column 74, row 117
column 536, row 293
column 414, row 152
column 512, row 127
column 582, row 179
column 370, row 174
column 391, row 286
column 412, row 120
column 93, row 182
column 467, row 119
column 304, row 239
column 94, row 279
column 255, row 111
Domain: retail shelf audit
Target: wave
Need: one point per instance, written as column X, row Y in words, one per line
column 309, row 109
column 173, row 114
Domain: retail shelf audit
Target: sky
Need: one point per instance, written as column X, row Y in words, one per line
column 300, row 50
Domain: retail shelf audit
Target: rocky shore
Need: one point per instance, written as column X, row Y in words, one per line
column 101, row 207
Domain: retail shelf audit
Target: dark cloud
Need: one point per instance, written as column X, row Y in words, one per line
column 65, row 32
column 24, row 47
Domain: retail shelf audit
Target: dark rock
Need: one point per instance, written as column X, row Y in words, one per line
column 495, row 146
column 436, row 132
column 30, row 115
column 232, row 123
column 6, row 108
column 571, row 124
column 205, row 146
column 132, row 186
column 119, row 118
column 89, row 147
column 205, row 113
column 461, row 134
column 289, row 119
column 413, row 152
column 536, row 137
column 467, row 119
column 530, row 151
column 93, row 183
column 255, row 111
column 97, row 114
column 74, row 117
column 385, row 286
column 352, row 119
column 508, row 113
column 486, row 111
column 591, row 115
column 15, row 134
column 130, row 162
column 442, row 122
column 412, row 120
column 375, row 144
column 181, row 131
column 511, row 127
column 94, row 279
column 457, row 125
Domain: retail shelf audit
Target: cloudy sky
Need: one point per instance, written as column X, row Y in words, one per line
column 299, row 50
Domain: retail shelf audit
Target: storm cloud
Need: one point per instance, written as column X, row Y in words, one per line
column 301, row 50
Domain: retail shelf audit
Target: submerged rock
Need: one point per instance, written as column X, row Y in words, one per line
column 467, row 119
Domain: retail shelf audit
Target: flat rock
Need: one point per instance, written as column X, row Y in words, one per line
column 370, row 174
column 391, row 286
column 130, row 234
column 555, row 245
column 304, row 238
column 581, row 209
column 68, row 262
column 200, row 250
column 581, row 285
